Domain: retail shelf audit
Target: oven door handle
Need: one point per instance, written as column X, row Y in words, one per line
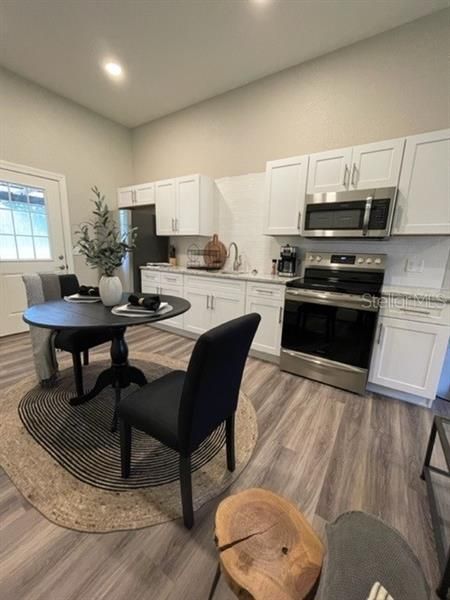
column 327, row 299
column 367, row 211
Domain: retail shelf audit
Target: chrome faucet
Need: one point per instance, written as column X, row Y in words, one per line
column 237, row 257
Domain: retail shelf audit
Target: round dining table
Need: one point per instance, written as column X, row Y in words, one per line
column 60, row 314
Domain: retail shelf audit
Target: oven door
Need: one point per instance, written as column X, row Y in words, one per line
column 330, row 326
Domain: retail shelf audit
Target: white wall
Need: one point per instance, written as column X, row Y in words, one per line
column 241, row 219
column 43, row 130
column 391, row 85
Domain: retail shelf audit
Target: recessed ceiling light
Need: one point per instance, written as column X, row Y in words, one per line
column 113, row 69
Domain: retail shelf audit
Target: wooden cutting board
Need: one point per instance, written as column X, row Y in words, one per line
column 215, row 253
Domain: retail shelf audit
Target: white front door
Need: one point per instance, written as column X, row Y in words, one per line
column 31, row 239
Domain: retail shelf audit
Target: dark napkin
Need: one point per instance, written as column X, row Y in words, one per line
column 88, row 290
column 150, row 302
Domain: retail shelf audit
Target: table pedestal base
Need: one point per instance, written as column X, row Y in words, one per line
column 119, row 375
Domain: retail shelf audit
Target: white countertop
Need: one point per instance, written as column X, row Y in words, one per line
column 438, row 295
column 259, row 277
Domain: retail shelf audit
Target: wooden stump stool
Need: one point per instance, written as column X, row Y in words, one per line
column 268, row 551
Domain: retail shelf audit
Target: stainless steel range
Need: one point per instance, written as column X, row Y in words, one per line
column 330, row 318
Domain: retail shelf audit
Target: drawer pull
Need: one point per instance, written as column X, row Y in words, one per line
column 416, row 311
column 264, row 291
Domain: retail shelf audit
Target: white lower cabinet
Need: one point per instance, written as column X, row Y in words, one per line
column 165, row 288
column 198, row 318
column 268, row 301
column 213, row 302
column 268, row 335
column 408, row 356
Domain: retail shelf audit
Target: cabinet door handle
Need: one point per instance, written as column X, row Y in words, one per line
column 280, row 316
column 380, row 331
column 207, row 301
column 176, row 225
column 299, row 219
column 353, row 180
column 212, row 302
column 346, row 172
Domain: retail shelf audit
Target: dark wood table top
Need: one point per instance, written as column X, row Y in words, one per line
column 59, row 314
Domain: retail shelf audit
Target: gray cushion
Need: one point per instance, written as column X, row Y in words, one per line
column 362, row 549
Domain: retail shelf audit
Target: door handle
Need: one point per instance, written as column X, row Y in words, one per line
column 353, row 180
column 207, row 301
column 212, row 302
column 176, row 225
column 173, row 224
column 280, row 316
column 299, row 219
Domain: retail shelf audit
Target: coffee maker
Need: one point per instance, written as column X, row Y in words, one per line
column 288, row 261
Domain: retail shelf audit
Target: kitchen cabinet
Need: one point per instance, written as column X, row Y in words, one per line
column 125, row 197
column 214, row 301
column 185, row 206
column 409, row 353
column 285, row 188
column 376, row 165
column 166, row 206
column 423, row 201
column 329, row 171
column 136, row 195
column 198, row 318
column 162, row 283
column 367, row 166
column 268, row 301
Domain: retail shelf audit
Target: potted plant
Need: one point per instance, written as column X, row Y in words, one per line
column 104, row 247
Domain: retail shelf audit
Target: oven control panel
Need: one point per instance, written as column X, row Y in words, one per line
column 348, row 261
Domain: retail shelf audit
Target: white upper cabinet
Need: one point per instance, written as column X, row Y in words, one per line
column 423, row 202
column 329, row 171
column 185, row 206
column 144, row 194
column 188, row 205
column 356, row 168
column 376, row 165
column 136, row 195
column 166, row 206
column 285, row 194
column 125, row 197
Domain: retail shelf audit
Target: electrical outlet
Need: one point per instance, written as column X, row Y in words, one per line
column 414, row 265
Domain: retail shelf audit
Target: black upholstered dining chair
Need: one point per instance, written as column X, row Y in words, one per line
column 181, row 409
column 78, row 341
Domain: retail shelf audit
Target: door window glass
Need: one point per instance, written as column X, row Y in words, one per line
column 24, row 233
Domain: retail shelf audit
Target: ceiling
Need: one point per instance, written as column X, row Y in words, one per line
column 178, row 52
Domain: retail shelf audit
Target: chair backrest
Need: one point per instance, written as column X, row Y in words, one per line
column 69, row 284
column 211, row 388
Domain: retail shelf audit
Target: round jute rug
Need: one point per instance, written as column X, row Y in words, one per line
column 66, row 463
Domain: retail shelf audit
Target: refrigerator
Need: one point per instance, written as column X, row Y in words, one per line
column 149, row 246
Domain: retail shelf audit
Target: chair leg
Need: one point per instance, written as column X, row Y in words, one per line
column 229, row 429
column 85, row 357
column 78, row 373
column 186, row 490
column 125, row 448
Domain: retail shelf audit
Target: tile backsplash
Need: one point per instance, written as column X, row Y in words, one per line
column 241, row 220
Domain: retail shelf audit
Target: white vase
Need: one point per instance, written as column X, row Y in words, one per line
column 110, row 290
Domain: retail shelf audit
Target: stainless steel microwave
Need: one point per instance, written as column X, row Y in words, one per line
column 353, row 214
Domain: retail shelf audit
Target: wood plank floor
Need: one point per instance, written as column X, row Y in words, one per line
column 329, row 451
